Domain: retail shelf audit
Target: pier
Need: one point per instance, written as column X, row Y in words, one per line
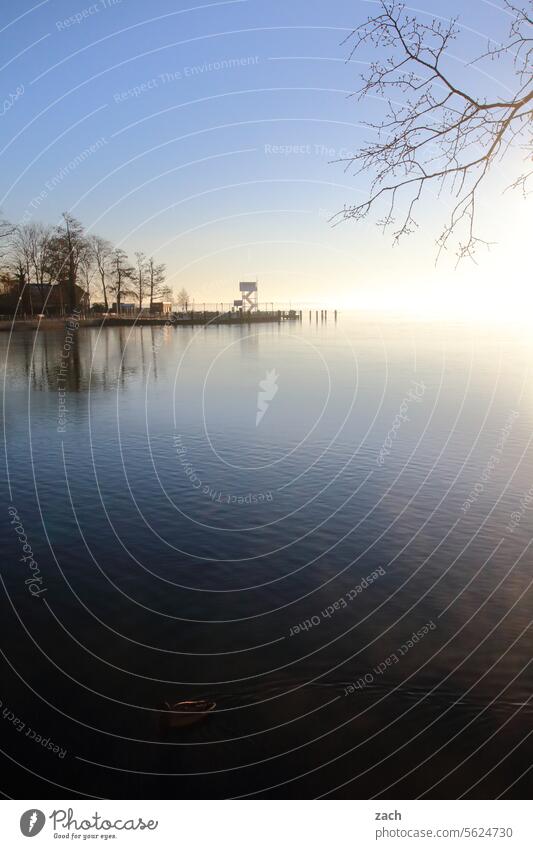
column 191, row 318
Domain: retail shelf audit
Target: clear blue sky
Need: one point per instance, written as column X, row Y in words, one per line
column 213, row 127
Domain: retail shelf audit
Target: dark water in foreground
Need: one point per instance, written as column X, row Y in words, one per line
column 281, row 568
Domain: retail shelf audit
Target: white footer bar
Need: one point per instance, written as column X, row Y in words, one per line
column 264, row 824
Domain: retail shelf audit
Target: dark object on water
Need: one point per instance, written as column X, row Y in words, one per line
column 183, row 714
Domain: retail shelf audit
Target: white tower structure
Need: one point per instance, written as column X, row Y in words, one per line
column 249, row 296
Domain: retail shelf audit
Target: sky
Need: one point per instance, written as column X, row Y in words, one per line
column 206, row 134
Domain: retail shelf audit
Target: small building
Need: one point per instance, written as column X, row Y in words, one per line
column 49, row 299
column 161, row 307
column 56, row 297
column 125, row 309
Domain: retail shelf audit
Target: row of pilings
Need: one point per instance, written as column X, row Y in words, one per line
column 323, row 315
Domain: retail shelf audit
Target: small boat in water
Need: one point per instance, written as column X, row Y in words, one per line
column 183, row 714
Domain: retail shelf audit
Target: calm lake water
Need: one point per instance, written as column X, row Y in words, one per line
column 184, row 546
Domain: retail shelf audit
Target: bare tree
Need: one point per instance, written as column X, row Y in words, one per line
column 21, row 257
column 21, row 280
column 17, row 271
column 31, row 252
column 88, row 274
column 183, row 299
column 6, row 232
column 40, row 241
column 76, row 246
column 441, row 135
column 141, row 277
column 102, row 252
column 122, row 276
column 68, row 248
column 156, row 282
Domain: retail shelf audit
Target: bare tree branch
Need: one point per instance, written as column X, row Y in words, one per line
column 441, row 135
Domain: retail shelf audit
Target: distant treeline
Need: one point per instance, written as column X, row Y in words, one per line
column 57, row 269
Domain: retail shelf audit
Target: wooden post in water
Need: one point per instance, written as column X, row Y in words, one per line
column 335, row 315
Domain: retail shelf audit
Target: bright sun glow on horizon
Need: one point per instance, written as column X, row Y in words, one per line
column 355, row 266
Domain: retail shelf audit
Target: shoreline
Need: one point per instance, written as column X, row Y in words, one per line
column 200, row 318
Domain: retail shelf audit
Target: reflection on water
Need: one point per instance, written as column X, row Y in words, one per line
column 190, row 551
